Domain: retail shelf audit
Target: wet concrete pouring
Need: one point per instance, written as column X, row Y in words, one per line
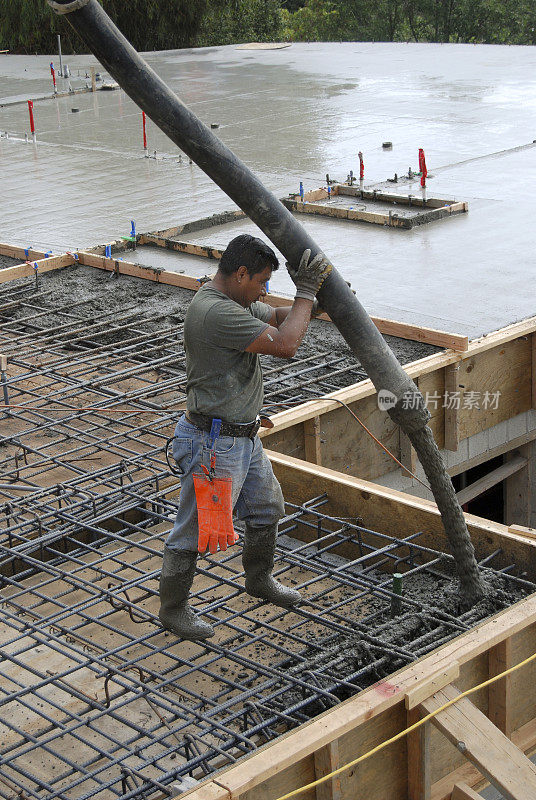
column 97, row 700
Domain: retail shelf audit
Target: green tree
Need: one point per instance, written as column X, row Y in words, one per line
column 317, row 20
column 30, row 26
column 241, row 21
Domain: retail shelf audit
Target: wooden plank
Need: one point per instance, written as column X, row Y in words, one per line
column 326, row 761
column 208, row 791
column 313, row 447
column 27, row 270
column 404, row 330
column 316, row 194
column 496, row 386
column 530, row 533
column 137, row 271
column 13, row 251
column 388, row 197
column 419, row 758
column 516, row 463
column 430, row 685
column 524, row 738
column 503, row 764
column 452, row 406
column 533, row 369
column 200, row 250
column 499, row 693
column 462, row 792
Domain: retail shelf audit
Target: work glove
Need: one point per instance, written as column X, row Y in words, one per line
column 215, row 540
column 309, row 275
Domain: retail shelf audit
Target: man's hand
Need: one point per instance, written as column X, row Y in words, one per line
column 309, row 275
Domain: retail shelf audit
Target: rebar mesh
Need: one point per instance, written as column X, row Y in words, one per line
column 96, row 701
column 71, row 356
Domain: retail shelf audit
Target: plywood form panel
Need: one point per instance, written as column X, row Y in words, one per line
column 432, row 386
column 348, row 448
column 523, row 706
column 447, row 758
column 289, row 442
column 280, row 781
column 383, row 774
column 506, row 369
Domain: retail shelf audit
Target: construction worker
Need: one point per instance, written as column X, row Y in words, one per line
column 225, row 329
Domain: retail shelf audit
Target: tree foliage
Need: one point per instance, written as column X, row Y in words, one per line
column 30, row 26
column 477, row 21
column 240, row 21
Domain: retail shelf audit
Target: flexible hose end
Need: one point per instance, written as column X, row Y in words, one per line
column 66, row 7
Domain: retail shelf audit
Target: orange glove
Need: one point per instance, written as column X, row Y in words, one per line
column 214, row 512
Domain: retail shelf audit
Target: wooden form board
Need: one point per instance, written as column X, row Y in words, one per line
column 94, row 258
column 41, row 265
column 433, row 208
column 501, row 362
column 13, row 251
column 374, row 715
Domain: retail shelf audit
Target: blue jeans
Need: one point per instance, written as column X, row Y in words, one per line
column 256, row 493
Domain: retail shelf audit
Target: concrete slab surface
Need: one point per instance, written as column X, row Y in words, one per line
column 296, row 114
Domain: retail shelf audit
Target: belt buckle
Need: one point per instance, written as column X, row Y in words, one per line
column 255, row 427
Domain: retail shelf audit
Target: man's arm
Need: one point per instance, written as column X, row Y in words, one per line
column 279, row 315
column 308, row 277
column 284, row 339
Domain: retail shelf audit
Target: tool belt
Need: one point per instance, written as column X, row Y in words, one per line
column 249, row 429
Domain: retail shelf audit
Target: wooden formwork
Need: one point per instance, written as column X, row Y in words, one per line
column 388, row 327
column 318, row 202
column 504, row 361
column 424, row 765
column 35, row 261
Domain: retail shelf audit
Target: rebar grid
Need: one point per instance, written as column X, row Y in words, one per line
column 70, row 356
column 96, row 701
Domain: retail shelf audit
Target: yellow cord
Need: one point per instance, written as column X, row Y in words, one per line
column 406, row 731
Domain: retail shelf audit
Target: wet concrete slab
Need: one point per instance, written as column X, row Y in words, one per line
column 7, row 261
column 294, row 115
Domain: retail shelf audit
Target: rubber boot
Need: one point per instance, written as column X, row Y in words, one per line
column 258, row 560
column 178, row 570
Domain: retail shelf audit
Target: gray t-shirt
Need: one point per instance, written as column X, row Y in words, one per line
column 222, row 380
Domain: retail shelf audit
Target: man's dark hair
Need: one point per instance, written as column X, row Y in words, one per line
column 250, row 252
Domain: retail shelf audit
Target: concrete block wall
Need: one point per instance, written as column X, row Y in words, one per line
column 520, row 499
